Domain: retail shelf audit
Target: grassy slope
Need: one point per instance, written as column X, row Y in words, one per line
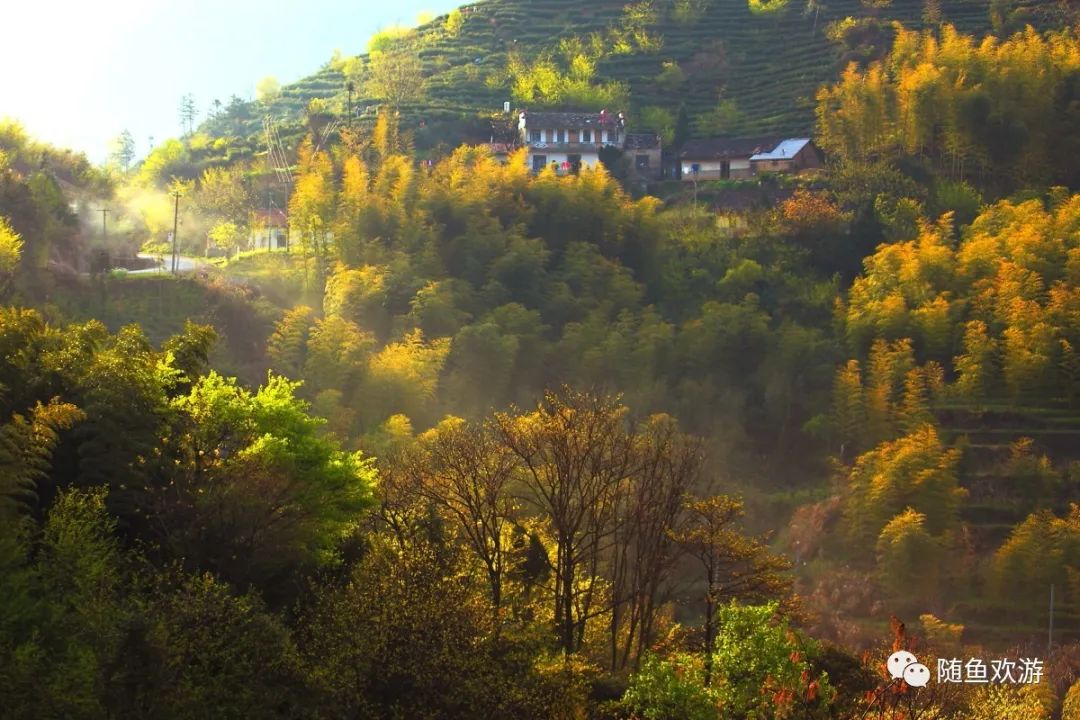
column 242, row 316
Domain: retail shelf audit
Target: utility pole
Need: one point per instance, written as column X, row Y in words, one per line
column 1050, row 636
column 104, row 228
column 695, row 169
column 175, row 223
column 349, row 87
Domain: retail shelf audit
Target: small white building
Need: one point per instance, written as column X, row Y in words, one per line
column 569, row 140
column 791, row 155
column 744, row 158
column 268, row 229
column 721, row 158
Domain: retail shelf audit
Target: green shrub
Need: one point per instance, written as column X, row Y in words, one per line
column 671, row 689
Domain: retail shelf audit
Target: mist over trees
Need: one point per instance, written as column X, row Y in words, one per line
column 488, row 442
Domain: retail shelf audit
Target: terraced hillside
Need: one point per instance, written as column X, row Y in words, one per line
column 1004, row 485
column 1000, row 496
column 770, row 65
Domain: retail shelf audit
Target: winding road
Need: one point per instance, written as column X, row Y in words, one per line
column 187, row 264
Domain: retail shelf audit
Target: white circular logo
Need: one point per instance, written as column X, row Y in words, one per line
column 898, row 661
column 917, row 675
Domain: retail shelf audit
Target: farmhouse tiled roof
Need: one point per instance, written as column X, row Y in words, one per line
column 275, row 217
column 550, row 120
column 642, row 141
column 726, row 148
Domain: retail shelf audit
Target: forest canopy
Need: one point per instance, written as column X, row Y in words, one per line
column 475, row 440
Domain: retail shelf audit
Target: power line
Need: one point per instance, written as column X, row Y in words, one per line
column 1050, row 635
column 279, row 161
column 326, row 135
column 279, row 164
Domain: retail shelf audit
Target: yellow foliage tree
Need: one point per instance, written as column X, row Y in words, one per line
column 908, row 559
column 404, row 376
column 311, row 205
column 10, row 252
column 1071, row 708
column 914, row 472
column 1043, row 550
column 934, row 92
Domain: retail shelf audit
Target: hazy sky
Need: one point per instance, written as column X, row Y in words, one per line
column 77, row 73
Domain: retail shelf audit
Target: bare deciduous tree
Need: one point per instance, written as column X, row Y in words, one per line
column 736, row 567
column 644, row 552
column 466, row 472
column 576, row 455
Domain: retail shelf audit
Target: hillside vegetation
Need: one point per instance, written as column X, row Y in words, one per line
column 484, row 442
column 718, row 66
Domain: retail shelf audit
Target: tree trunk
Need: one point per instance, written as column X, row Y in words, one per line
column 710, row 626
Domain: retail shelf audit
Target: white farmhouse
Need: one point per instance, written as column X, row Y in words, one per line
column 721, row 158
column 744, row 158
column 569, row 140
column 268, row 229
